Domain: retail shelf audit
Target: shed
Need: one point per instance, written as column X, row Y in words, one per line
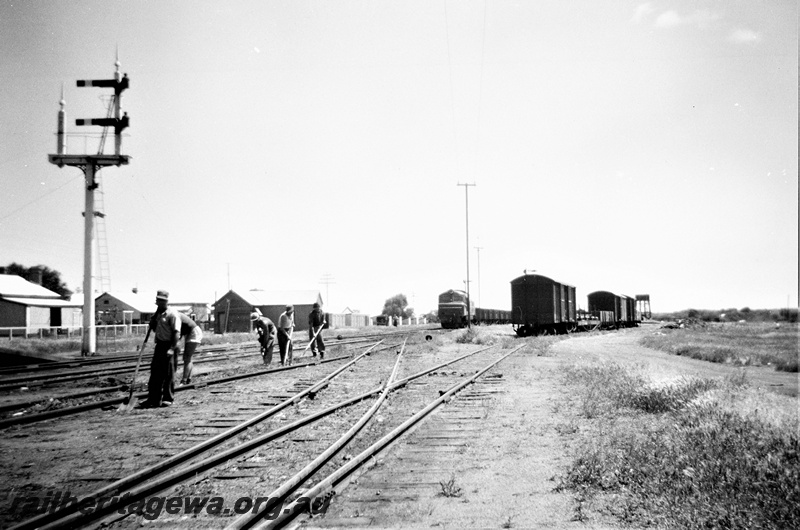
column 24, row 304
column 232, row 311
column 111, row 306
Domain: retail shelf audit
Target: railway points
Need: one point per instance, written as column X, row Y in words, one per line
column 173, row 429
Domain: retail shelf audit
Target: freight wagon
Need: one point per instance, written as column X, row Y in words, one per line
column 491, row 316
column 621, row 307
column 540, row 305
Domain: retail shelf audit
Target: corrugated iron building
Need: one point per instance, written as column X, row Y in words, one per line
column 28, row 305
column 112, row 306
column 232, row 311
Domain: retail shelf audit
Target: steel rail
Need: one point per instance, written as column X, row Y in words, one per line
column 76, row 363
column 53, row 379
column 235, row 348
column 111, row 402
column 41, row 416
column 290, row 485
column 327, row 485
column 115, row 489
column 67, row 518
column 24, row 404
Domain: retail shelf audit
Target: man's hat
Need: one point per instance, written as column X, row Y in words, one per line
column 253, row 316
column 162, row 295
column 316, row 305
column 290, row 307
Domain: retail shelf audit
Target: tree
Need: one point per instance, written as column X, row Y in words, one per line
column 51, row 279
column 432, row 316
column 397, row 306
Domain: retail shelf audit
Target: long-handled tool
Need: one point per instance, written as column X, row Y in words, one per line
column 312, row 339
column 128, row 405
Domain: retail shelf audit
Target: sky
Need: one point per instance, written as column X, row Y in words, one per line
column 639, row 148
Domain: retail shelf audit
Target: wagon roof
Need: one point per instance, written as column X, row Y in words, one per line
column 537, row 277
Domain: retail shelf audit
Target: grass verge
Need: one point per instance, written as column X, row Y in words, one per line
column 745, row 344
column 676, row 456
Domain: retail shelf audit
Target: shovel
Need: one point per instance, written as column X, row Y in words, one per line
column 128, row 405
column 312, row 340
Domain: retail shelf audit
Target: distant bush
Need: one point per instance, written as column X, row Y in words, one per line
column 733, row 315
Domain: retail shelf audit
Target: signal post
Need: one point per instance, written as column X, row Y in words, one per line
column 91, row 165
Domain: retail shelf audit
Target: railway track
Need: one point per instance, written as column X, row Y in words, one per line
column 112, row 403
column 30, row 401
column 277, row 443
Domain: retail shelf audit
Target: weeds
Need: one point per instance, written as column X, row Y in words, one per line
column 682, row 462
column 473, row 336
column 752, row 344
column 449, row 488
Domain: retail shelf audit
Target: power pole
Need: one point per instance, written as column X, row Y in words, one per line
column 479, row 274
column 327, row 279
column 469, row 300
column 91, row 165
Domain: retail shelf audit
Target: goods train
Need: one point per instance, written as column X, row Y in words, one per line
column 540, row 305
column 455, row 312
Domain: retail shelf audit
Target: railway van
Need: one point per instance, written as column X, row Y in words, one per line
column 623, row 307
column 540, row 305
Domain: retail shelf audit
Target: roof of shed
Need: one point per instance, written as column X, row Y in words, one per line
column 41, row 302
column 17, row 286
column 262, row 298
column 145, row 301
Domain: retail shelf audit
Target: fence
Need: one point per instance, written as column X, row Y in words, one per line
column 60, row 332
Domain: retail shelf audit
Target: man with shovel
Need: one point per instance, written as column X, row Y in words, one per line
column 194, row 336
column 167, row 325
column 285, row 329
column 266, row 335
column 316, row 321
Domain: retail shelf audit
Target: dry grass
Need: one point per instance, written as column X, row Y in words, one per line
column 685, row 455
column 739, row 344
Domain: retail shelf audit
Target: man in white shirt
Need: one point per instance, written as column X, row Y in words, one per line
column 285, row 329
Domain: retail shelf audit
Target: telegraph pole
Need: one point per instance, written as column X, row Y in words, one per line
column 327, row 279
column 479, row 274
column 469, row 300
column 91, row 165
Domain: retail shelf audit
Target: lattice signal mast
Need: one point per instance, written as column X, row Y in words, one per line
column 91, row 165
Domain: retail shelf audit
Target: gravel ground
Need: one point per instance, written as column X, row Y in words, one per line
column 487, row 459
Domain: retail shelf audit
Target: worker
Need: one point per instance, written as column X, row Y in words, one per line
column 194, row 336
column 167, row 325
column 266, row 335
column 285, row 330
column 316, row 321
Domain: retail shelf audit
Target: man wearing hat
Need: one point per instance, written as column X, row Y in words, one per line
column 266, row 334
column 285, row 329
column 167, row 325
column 316, row 321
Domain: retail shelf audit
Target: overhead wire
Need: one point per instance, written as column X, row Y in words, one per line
column 9, row 214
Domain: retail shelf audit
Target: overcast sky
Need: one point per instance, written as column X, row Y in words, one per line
column 614, row 145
